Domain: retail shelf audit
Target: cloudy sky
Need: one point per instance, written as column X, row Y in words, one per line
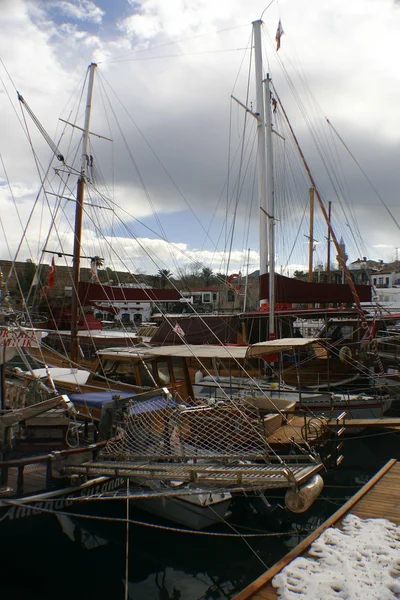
column 166, row 73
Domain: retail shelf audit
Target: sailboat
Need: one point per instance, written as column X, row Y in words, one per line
column 197, row 454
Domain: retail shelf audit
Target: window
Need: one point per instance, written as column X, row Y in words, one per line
column 347, row 332
column 338, row 332
column 146, row 374
column 163, row 372
column 125, row 318
column 215, row 296
column 231, row 296
column 178, row 368
column 207, row 298
column 122, row 371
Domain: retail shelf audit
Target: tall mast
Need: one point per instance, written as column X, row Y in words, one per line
column 311, row 237
column 265, row 179
column 78, row 219
column 246, row 288
column 311, row 242
column 261, row 156
column 270, row 207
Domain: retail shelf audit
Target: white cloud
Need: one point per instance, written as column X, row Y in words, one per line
column 175, row 18
column 81, row 10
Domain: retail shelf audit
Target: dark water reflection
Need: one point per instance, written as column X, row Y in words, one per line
column 74, row 558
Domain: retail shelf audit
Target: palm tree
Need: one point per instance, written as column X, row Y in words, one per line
column 207, row 275
column 164, row 276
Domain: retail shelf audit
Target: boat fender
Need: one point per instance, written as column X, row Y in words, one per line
column 345, row 354
column 298, row 501
column 198, row 376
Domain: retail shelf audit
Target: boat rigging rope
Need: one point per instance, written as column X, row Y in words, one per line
column 238, row 188
column 364, row 173
column 126, row 590
column 42, row 130
column 212, row 332
column 49, row 511
column 242, row 538
column 341, row 259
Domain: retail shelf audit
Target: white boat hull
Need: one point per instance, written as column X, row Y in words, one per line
column 195, row 511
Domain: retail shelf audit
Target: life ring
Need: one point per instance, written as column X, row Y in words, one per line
column 345, row 354
column 231, row 285
column 236, row 287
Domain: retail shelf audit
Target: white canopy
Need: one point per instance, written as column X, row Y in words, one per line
column 282, row 345
column 235, row 352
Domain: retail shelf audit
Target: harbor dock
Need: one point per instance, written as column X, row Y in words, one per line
column 376, row 499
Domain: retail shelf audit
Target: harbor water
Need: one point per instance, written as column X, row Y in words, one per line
column 64, row 557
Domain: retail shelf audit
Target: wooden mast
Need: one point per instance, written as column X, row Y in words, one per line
column 78, row 220
column 364, row 323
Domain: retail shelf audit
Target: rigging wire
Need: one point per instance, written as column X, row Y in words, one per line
column 364, row 173
column 194, row 37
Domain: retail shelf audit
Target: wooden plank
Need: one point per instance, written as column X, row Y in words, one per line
column 293, row 431
column 266, row 577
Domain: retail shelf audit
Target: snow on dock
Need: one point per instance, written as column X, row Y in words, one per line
column 355, row 554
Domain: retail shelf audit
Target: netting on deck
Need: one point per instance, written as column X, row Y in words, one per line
column 162, row 430
column 220, row 447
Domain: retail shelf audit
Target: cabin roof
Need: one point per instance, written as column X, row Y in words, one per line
column 210, row 351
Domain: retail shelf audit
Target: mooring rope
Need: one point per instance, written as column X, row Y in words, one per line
column 151, row 525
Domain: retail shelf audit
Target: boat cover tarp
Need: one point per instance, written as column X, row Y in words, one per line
column 97, row 399
column 289, row 290
column 203, row 329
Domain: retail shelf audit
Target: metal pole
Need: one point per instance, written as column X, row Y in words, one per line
column 246, row 287
column 328, row 266
column 311, row 240
column 270, row 208
column 261, row 156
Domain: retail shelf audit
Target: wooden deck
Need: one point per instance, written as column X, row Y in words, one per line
column 377, row 499
column 300, row 430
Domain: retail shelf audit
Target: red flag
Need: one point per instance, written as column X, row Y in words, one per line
column 50, row 280
column 178, row 329
column 278, row 35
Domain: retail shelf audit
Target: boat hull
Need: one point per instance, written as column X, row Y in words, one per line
column 195, row 511
column 13, row 508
